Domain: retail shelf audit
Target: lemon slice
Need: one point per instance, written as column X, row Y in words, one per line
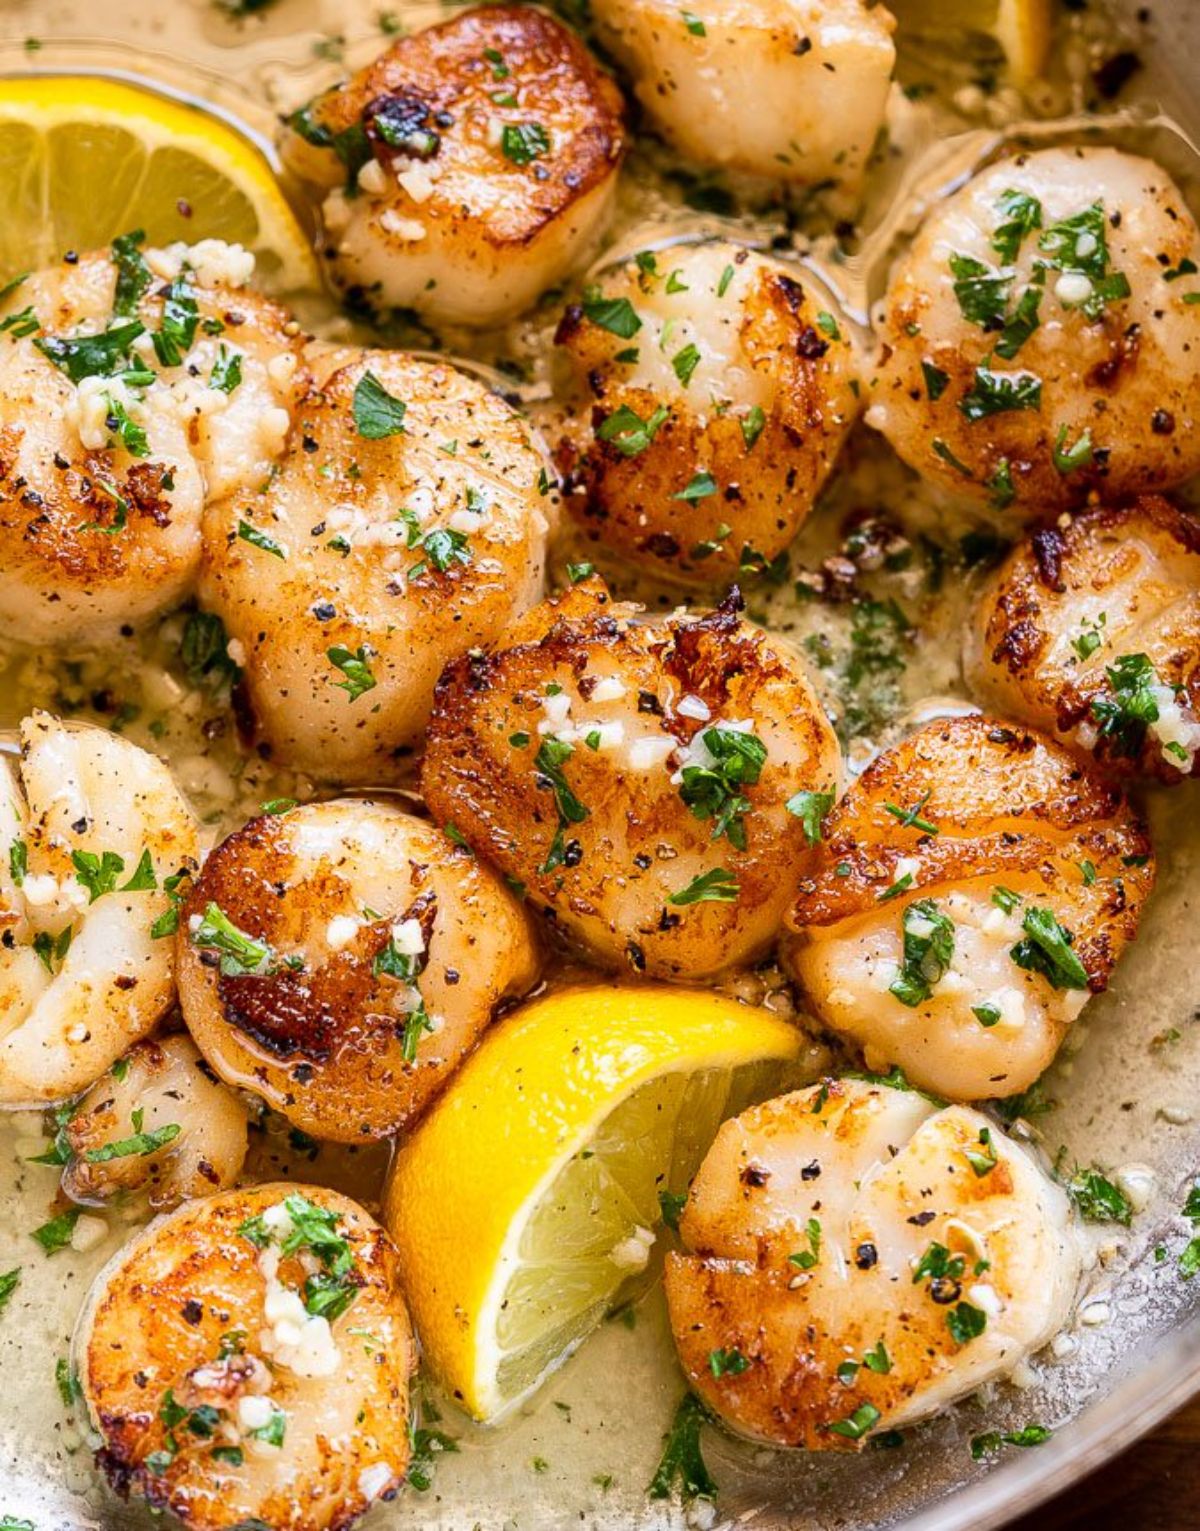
column 83, row 159
column 963, row 31
column 527, row 1201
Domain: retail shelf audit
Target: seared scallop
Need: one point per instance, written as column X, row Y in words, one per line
column 1041, row 338
column 467, row 169
column 406, row 524
column 246, row 1361
column 719, row 387
column 812, row 1308
column 791, row 90
column 340, row 960
column 649, row 782
column 133, row 385
column 94, row 836
column 158, row 1123
column 973, row 888
column 1091, row 631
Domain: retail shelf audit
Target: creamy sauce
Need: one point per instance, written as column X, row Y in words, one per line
column 876, row 595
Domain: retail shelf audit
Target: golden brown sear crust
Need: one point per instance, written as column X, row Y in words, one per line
column 802, row 1236
column 327, row 1033
column 767, row 465
column 609, row 876
column 1069, row 602
column 71, row 528
column 1007, row 803
column 436, row 90
column 173, row 1326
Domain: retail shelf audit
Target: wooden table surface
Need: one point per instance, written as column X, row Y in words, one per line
column 1154, row 1486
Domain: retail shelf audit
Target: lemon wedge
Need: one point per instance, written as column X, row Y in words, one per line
column 83, row 159
column 962, row 32
column 527, row 1201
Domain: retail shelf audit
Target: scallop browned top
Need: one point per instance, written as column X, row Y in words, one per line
column 811, row 1306
column 633, row 775
column 1091, row 630
column 1006, row 804
column 213, row 1405
column 483, row 149
column 1040, row 337
column 377, row 953
column 713, row 432
column 443, row 82
column 107, row 458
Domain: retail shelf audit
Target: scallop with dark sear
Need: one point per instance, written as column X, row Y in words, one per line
column 645, row 779
column 974, row 887
column 714, row 390
column 246, row 1362
column 340, row 959
column 482, row 156
column 1091, row 631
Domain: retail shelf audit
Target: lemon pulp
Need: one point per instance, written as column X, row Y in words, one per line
column 83, row 159
column 526, row 1204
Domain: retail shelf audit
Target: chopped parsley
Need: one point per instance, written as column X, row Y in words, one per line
column 928, row 949
column 936, row 381
column 718, row 886
column 91, row 355
column 377, row 414
column 1097, row 1199
column 523, row 142
column 671, row 1204
column 56, row 1234
column 1091, row 637
column 1000, row 485
column 714, row 791
column 616, row 315
column 982, row 1159
column 628, row 432
column 682, row 1461
column 1133, row 706
column 699, row 487
column 204, row 652
column 727, row 1363
column 1080, row 244
column 998, row 393
column 810, row 808
column 140, row 1143
column 807, row 1259
column 910, row 818
column 1022, row 214
column 97, row 873
column 685, row 362
column 8, row 1285
column 982, row 292
column 260, row 539
column 965, row 1322
column 1046, row 949
column 241, row 955
column 356, row 667
column 177, row 327
column 864, row 1418
column 753, row 422
column 425, row 1445
column 1068, row 458
column 227, row 370
column 991, row 1441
